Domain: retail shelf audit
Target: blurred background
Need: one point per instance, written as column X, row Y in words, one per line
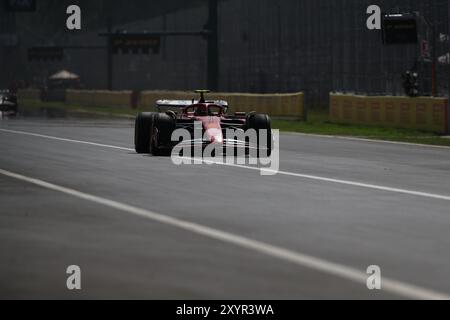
column 264, row 46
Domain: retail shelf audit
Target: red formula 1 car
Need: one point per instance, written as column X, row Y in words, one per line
column 153, row 130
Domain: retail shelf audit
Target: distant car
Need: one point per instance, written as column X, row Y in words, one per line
column 153, row 130
column 8, row 103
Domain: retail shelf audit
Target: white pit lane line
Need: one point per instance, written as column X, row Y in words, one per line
column 389, row 285
column 65, row 139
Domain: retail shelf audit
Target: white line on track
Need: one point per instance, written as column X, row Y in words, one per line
column 65, row 140
column 286, row 173
column 368, row 140
column 346, row 182
column 389, row 285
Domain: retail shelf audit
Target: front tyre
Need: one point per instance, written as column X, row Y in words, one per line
column 142, row 131
column 161, row 134
column 262, row 122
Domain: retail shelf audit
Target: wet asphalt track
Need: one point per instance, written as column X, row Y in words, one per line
column 122, row 255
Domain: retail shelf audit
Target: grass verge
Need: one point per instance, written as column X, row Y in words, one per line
column 318, row 123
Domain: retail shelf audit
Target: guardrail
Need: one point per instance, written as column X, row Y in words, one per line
column 420, row 113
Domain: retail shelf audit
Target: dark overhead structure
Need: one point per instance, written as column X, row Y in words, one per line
column 146, row 42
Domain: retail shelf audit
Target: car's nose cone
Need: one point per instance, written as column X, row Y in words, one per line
column 214, row 135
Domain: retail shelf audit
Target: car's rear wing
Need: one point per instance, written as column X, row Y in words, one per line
column 186, row 103
column 179, row 104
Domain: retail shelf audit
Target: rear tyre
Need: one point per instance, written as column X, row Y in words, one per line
column 262, row 122
column 161, row 134
column 142, row 131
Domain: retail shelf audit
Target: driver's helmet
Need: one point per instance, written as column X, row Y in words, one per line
column 201, row 111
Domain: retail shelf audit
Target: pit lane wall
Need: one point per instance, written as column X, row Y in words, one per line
column 421, row 113
column 278, row 105
column 101, row 98
column 28, row 94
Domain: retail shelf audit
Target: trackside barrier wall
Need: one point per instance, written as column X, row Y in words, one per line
column 421, row 113
column 28, row 94
column 101, row 98
column 277, row 105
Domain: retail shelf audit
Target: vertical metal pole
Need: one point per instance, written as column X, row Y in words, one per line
column 434, row 51
column 109, row 58
column 433, row 66
column 448, row 33
column 279, row 44
column 163, row 39
column 448, row 75
column 213, row 46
